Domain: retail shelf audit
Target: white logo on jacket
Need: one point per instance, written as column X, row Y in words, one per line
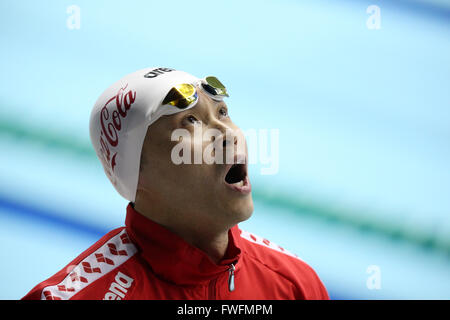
column 119, row 287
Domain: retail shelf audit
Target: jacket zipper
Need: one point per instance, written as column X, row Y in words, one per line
column 231, row 278
column 231, row 287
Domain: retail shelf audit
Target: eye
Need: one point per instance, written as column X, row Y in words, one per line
column 191, row 119
column 223, row 112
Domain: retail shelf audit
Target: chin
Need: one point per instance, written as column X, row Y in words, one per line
column 240, row 210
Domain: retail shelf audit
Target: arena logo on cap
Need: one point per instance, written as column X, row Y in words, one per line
column 110, row 126
column 156, row 72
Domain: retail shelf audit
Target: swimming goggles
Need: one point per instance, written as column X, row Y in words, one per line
column 185, row 95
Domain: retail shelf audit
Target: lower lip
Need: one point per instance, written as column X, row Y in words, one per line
column 245, row 189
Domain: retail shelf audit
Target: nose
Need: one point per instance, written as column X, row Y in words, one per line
column 228, row 141
column 228, row 134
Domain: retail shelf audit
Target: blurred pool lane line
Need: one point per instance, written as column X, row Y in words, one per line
column 317, row 207
column 57, row 219
column 36, row 247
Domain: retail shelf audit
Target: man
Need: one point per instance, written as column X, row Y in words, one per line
column 187, row 193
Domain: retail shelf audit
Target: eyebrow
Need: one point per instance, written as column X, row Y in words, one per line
column 177, row 116
column 221, row 104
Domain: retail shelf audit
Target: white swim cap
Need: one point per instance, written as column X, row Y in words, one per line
column 120, row 118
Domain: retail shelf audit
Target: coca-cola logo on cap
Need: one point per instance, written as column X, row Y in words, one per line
column 111, row 124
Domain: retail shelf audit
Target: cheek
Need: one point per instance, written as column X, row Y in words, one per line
column 159, row 163
column 182, row 162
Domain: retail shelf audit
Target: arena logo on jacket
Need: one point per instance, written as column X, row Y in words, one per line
column 119, row 287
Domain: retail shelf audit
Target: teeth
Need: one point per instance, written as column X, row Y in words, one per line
column 239, row 184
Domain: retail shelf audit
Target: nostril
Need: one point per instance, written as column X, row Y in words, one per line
column 226, row 142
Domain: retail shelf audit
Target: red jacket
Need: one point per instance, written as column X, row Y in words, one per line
column 144, row 260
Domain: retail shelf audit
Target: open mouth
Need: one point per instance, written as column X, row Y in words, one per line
column 236, row 174
column 237, row 178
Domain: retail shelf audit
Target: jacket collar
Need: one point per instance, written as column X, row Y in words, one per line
column 171, row 257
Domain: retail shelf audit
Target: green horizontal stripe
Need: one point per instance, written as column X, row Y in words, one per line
column 307, row 207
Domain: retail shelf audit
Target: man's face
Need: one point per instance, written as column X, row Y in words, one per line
column 212, row 192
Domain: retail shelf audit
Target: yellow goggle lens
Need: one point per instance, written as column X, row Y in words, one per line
column 216, row 86
column 181, row 96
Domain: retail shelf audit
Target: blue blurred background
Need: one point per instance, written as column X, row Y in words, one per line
column 363, row 116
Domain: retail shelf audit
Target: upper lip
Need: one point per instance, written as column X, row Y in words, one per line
column 238, row 159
